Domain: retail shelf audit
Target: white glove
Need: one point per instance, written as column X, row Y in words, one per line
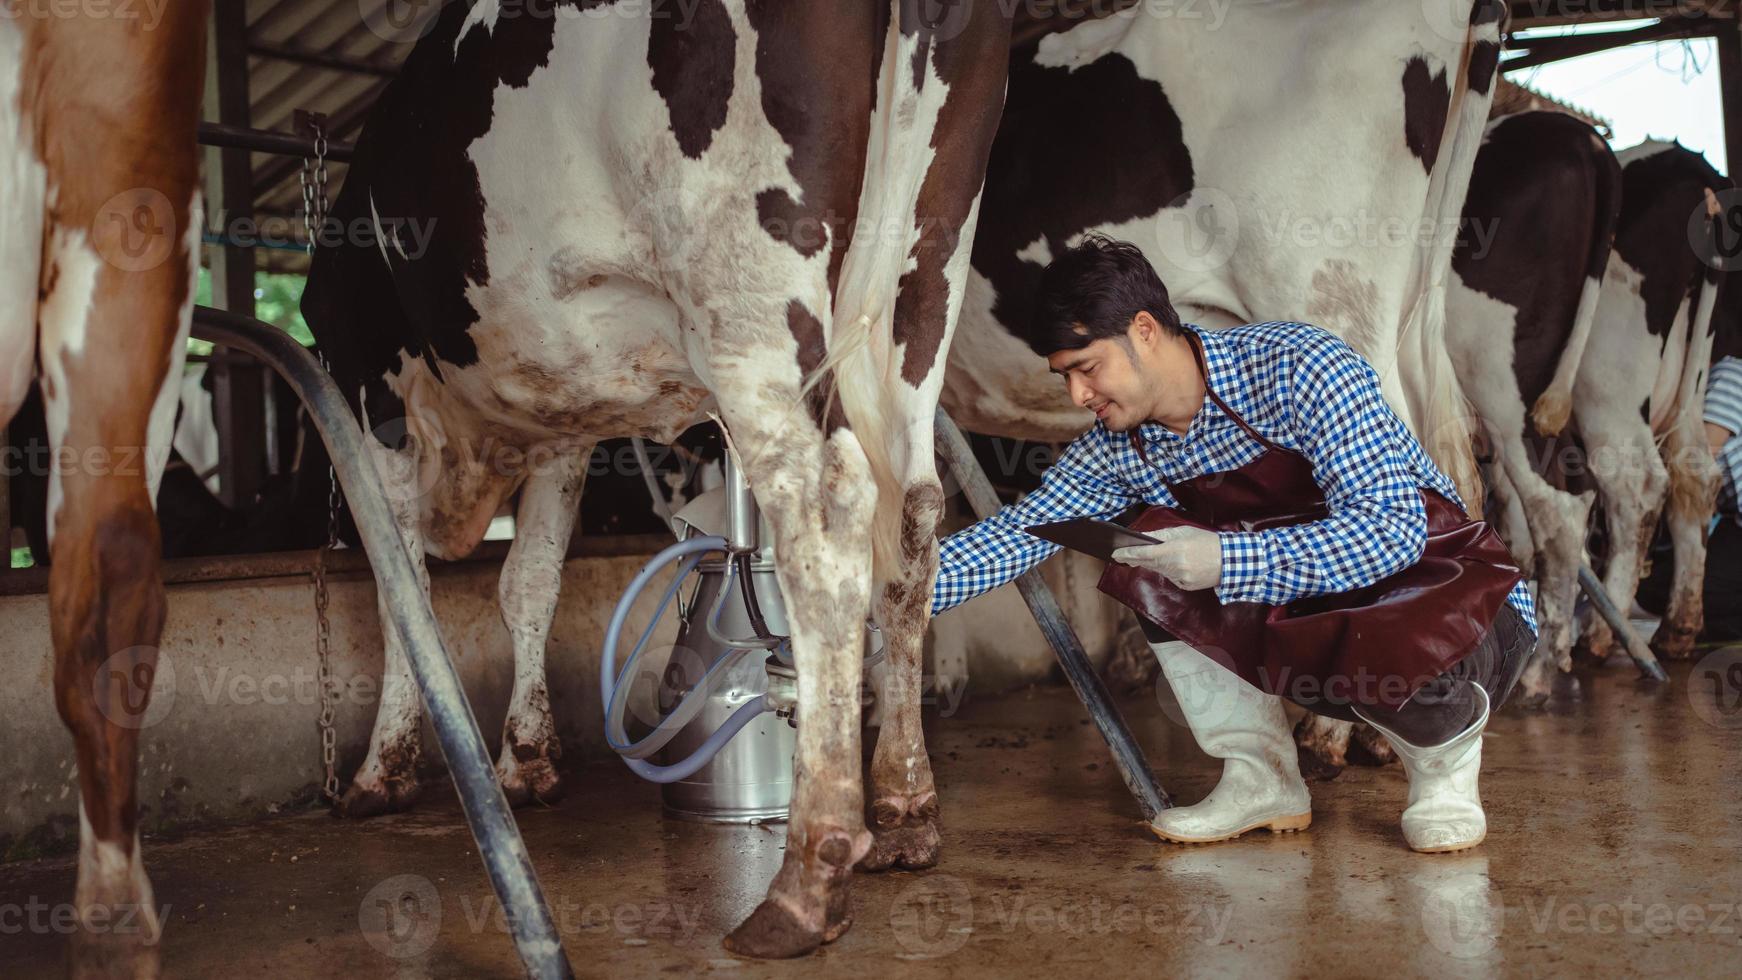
column 1189, row 557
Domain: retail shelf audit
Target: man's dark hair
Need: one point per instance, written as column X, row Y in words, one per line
column 1101, row 284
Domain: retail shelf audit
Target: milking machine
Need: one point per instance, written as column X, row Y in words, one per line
column 716, row 720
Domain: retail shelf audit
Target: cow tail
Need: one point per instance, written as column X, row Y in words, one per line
column 1555, row 405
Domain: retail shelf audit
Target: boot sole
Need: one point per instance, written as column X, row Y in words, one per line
column 1450, row 848
column 1280, row 825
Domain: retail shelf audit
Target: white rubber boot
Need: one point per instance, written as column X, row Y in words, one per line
column 1233, row 721
column 1445, row 809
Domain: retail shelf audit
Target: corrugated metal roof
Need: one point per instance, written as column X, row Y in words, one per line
column 323, row 56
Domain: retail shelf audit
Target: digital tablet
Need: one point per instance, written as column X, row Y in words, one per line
column 1091, row 535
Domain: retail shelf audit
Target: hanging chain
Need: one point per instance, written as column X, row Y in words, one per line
column 313, row 178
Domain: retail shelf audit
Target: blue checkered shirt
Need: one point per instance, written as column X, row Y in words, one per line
column 1304, row 389
column 1724, row 408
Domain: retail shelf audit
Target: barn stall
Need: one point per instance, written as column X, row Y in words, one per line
column 1594, row 859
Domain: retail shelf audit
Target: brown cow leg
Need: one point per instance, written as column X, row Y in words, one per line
column 111, row 350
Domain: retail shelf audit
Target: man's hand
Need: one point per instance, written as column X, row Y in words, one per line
column 1189, row 557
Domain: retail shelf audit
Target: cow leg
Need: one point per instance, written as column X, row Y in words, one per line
column 112, row 414
column 818, row 494
column 1693, row 494
column 904, row 798
column 1324, row 745
column 531, row 581
column 1623, row 460
column 387, row 781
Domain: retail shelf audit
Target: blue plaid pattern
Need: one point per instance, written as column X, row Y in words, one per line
column 1724, row 407
column 1303, row 388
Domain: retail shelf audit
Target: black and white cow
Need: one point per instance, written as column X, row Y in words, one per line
column 1539, row 219
column 1291, row 161
column 1641, row 387
column 643, row 215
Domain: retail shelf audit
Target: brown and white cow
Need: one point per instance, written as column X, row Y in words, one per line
column 1539, row 219
column 1637, row 403
column 641, row 216
column 1274, row 161
column 99, row 222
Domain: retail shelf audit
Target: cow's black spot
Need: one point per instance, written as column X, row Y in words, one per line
column 412, row 159
column 1645, row 410
column 1484, row 61
column 822, row 401
column 1487, row 11
column 813, row 61
column 961, row 142
column 1659, row 193
column 692, row 61
column 786, row 221
column 1075, row 150
column 1542, row 201
column 1425, row 100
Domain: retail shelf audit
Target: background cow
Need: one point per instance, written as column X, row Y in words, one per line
column 1637, row 403
column 99, row 231
column 762, row 210
column 1539, row 219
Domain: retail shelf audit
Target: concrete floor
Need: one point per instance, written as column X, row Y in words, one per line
column 1615, row 824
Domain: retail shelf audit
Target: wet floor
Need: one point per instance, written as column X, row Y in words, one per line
column 1615, row 828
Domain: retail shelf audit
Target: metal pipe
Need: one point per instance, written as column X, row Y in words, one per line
column 741, row 513
column 1127, row 756
column 266, row 141
column 505, row 855
column 1630, row 638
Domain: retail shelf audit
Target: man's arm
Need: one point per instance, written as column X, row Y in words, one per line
column 1377, row 523
column 1082, row 483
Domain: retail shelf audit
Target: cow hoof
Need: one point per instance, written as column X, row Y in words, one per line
column 1369, row 748
column 109, row 955
column 904, row 833
column 1671, row 643
column 527, row 774
column 376, row 797
column 806, row 906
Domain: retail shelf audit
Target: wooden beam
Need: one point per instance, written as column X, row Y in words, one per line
column 238, row 392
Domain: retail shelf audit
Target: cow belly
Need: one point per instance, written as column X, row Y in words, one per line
column 603, row 361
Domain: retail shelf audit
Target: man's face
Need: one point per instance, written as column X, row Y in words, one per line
column 1108, row 377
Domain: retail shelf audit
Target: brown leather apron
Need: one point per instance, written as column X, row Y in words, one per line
column 1373, row 645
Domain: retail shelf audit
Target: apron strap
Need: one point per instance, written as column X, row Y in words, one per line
column 1198, row 352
